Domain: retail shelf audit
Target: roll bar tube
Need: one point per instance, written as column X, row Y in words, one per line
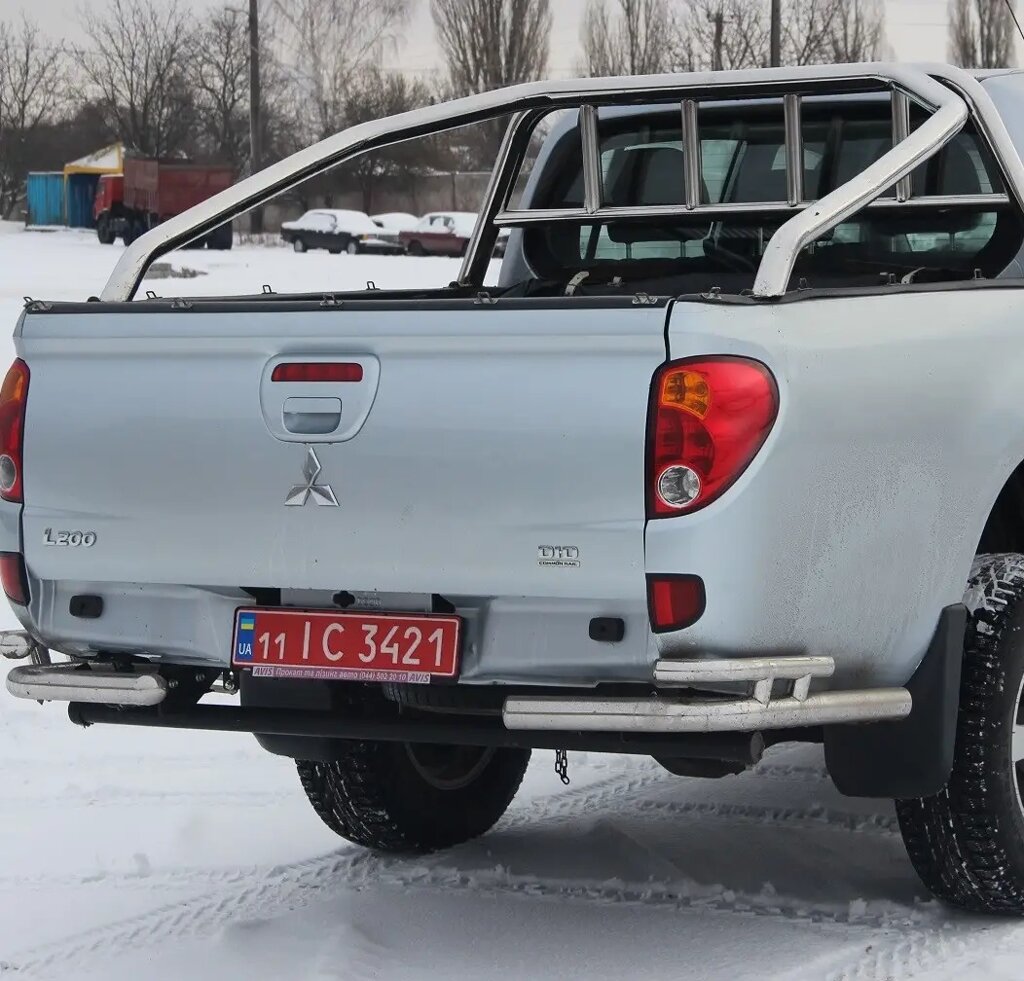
column 529, row 101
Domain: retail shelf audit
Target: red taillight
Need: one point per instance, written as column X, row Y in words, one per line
column 12, row 430
column 13, row 577
column 674, row 602
column 318, row 371
column 709, row 417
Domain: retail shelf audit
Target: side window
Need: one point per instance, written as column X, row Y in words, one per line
column 596, row 243
column 717, row 158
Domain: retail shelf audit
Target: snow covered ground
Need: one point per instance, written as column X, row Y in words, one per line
column 136, row 854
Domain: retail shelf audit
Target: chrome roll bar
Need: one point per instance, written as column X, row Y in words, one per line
column 946, row 100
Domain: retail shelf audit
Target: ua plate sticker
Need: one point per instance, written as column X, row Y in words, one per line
column 244, row 641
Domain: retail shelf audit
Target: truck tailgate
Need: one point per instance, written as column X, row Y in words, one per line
column 484, row 450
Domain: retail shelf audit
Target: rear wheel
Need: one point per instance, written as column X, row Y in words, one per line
column 967, row 841
column 103, row 231
column 352, row 248
column 299, row 245
column 221, row 238
column 132, row 230
column 415, row 247
column 413, row 797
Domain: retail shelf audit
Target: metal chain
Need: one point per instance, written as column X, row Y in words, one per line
column 562, row 765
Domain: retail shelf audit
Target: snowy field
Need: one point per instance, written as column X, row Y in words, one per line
column 138, row 854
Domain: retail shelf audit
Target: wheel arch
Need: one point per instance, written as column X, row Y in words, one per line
column 1003, row 530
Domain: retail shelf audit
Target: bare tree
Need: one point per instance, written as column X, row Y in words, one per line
column 32, row 75
column 138, row 68
column 856, row 31
column 981, row 33
column 635, row 39
column 491, row 43
column 327, row 42
column 728, row 34
column 721, row 34
column 372, row 94
column 488, row 44
column 220, row 80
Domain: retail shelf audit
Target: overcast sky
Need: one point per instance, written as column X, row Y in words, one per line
column 916, row 29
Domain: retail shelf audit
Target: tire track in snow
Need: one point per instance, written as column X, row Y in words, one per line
column 299, row 885
column 808, row 818
column 126, row 797
column 950, row 943
column 293, row 885
column 268, row 891
column 790, row 771
column 126, row 878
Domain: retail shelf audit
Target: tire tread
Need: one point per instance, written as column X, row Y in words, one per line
column 966, row 842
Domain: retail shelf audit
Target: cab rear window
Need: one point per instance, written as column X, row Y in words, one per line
column 743, row 161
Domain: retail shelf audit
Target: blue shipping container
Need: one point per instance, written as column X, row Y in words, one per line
column 46, row 199
column 80, row 192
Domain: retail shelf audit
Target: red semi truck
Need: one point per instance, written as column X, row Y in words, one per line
column 151, row 191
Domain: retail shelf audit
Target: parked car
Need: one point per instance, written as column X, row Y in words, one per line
column 731, row 454
column 339, row 231
column 440, row 233
column 151, row 191
column 395, row 221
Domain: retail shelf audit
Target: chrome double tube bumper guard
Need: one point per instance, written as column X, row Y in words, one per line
column 96, row 684
column 676, row 708
column 943, row 91
column 701, row 711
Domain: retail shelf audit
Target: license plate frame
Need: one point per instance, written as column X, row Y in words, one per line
column 312, row 638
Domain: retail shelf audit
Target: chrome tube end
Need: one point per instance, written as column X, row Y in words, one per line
column 19, row 644
column 77, row 682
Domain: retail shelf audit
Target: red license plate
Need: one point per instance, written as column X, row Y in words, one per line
column 324, row 645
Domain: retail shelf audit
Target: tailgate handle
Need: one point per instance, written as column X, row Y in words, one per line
column 311, row 416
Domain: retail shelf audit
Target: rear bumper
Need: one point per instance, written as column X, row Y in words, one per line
column 763, row 706
column 515, row 640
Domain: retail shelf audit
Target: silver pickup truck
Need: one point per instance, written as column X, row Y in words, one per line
column 730, row 455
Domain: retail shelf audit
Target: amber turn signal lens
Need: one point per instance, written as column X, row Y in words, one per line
column 686, row 390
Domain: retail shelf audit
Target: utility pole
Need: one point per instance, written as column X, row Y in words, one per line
column 716, row 49
column 255, row 121
column 776, row 34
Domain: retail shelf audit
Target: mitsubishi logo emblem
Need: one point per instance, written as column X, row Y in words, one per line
column 321, row 493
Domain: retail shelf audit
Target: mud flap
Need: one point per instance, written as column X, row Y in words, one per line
column 912, row 757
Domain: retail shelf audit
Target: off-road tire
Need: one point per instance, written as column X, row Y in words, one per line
column 967, row 841
column 104, row 232
column 375, row 796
